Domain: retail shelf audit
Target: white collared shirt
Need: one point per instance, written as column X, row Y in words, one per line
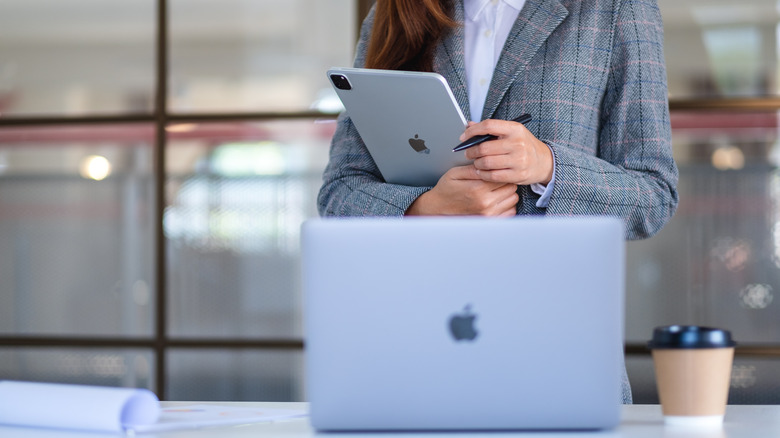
column 486, row 26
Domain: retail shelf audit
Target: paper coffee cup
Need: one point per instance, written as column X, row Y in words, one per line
column 693, row 373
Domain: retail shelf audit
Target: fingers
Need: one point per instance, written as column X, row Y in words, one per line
column 487, row 148
column 478, row 197
column 490, row 126
column 501, row 201
column 462, row 172
column 512, row 167
column 489, row 180
column 507, row 204
column 461, row 191
column 516, row 156
column 512, row 137
column 499, row 161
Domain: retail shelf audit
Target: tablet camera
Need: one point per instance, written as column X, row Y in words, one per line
column 341, row 82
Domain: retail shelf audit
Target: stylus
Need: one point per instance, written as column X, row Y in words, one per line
column 477, row 139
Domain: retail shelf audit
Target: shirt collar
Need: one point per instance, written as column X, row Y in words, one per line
column 515, row 4
column 472, row 8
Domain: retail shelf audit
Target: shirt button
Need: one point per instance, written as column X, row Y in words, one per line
column 488, row 33
column 482, row 82
column 495, row 2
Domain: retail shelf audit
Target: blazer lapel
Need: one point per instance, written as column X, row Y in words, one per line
column 449, row 61
column 536, row 21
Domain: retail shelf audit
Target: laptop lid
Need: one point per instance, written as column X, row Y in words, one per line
column 409, row 121
column 463, row 323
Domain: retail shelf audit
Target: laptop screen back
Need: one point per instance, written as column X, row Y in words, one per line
column 463, row 324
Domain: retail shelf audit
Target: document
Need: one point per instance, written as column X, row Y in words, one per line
column 202, row 415
column 105, row 409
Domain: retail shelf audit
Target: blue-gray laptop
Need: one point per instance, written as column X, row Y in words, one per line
column 463, row 323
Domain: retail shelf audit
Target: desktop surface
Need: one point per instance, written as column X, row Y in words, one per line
column 638, row 421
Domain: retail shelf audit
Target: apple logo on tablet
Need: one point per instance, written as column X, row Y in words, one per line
column 462, row 325
column 418, row 145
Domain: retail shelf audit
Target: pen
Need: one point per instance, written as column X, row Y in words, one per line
column 477, row 139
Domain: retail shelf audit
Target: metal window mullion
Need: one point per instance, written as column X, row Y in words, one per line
column 160, row 120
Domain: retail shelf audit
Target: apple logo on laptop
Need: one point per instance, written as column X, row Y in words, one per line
column 418, row 145
column 462, row 325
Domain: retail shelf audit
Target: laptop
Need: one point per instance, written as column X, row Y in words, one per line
column 463, row 323
column 409, row 121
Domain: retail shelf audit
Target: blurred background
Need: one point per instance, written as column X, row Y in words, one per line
column 157, row 158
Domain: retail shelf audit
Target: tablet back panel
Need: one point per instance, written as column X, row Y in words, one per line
column 463, row 324
column 409, row 122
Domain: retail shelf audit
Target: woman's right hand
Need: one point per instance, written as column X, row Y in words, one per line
column 460, row 191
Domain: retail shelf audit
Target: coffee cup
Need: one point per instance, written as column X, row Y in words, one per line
column 693, row 373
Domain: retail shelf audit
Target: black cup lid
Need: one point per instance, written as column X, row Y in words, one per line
column 690, row 336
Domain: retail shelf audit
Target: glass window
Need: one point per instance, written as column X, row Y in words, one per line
column 718, row 48
column 76, row 57
column 107, row 367
column 236, row 195
column 76, row 230
column 220, row 375
column 257, row 55
column 718, row 260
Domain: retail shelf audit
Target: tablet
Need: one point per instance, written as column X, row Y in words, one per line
column 409, row 121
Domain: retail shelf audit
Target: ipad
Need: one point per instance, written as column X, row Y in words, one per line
column 463, row 323
column 409, row 121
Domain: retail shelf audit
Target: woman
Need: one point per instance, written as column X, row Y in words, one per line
column 590, row 72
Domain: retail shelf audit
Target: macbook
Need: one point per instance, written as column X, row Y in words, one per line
column 463, row 323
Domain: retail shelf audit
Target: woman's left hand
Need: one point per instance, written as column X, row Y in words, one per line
column 516, row 156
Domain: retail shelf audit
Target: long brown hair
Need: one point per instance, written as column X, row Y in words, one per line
column 405, row 33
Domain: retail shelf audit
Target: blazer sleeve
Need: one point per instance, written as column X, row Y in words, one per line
column 352, row 184
column 634, row 175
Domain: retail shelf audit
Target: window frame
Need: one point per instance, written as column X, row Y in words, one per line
column 161, row 343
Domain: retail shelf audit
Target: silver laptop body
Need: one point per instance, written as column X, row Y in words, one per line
column 409, row 121
column 463, row 323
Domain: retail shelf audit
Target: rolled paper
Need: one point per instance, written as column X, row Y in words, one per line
column 83, row 407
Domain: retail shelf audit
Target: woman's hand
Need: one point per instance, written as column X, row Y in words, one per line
column 516, row 156
column 461, row 191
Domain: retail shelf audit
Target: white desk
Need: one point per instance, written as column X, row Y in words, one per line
column 639, row 421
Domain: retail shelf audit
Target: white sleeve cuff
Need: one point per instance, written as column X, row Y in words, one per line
column 544, row 191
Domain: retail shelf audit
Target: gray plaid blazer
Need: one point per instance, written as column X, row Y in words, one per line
column 592, row 74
